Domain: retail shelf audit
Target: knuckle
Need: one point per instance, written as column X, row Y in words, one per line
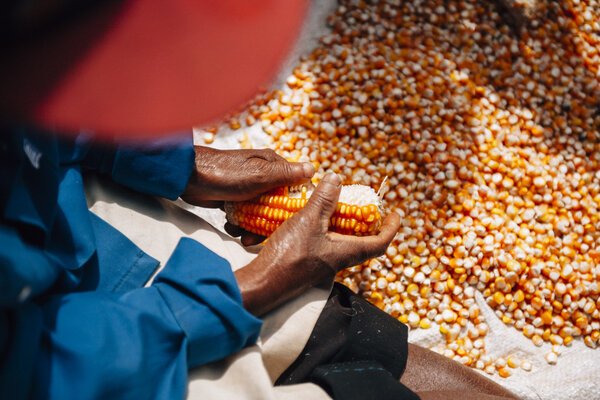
column 262, row 152
column 267, row 154
column 285, row 169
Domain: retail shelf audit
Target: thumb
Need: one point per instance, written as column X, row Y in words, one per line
column 324, row 199
column 287, row 173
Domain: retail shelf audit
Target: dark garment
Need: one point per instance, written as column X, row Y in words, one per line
column 355, row 351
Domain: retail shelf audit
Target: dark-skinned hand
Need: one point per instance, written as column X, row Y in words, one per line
column 237, row 175
column 302, row 253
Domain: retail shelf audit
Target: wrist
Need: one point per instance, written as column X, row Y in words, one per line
column 265, row 284
column 199, row 187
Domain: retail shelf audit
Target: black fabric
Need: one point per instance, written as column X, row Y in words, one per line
column 364, row 380
column 353, row 344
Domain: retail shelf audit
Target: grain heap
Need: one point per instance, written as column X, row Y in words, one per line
column 490, row 141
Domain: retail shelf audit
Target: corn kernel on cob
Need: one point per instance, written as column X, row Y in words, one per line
column 357, row 212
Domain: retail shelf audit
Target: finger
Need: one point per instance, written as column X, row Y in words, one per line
column 251, row 239
column 282, row 173
column 324, row 199
column 365, row 247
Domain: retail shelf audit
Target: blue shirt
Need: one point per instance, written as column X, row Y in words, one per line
column 75, row 319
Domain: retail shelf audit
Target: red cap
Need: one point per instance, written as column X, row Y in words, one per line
column 148, row 67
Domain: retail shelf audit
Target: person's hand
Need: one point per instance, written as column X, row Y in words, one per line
column 302, row 252
column 237, row 175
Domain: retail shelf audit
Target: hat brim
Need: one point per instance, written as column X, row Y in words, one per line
column 160, row 66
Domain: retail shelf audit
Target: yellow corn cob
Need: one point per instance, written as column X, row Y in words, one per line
column 357, row 212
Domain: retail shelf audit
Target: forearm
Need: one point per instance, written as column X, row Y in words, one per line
column 266, row 285
column 427, row 371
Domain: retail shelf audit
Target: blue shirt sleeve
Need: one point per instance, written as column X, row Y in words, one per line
column 161, row 167
column 134, row 345
column 207, row 305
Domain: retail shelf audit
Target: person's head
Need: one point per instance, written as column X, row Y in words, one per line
column 138, row 66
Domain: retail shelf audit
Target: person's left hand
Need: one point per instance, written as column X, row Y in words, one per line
column 237, row 175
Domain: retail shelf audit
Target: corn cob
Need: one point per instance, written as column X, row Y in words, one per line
column 357, row 212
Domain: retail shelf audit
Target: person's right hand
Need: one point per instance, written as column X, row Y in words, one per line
column 302, row 252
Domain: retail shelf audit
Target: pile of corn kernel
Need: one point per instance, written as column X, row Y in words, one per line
column 490, row 142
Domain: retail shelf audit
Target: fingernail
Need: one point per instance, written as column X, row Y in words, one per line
column 309, row 170
column 332, row 178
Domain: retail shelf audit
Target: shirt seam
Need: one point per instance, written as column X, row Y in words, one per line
column 124, row 277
